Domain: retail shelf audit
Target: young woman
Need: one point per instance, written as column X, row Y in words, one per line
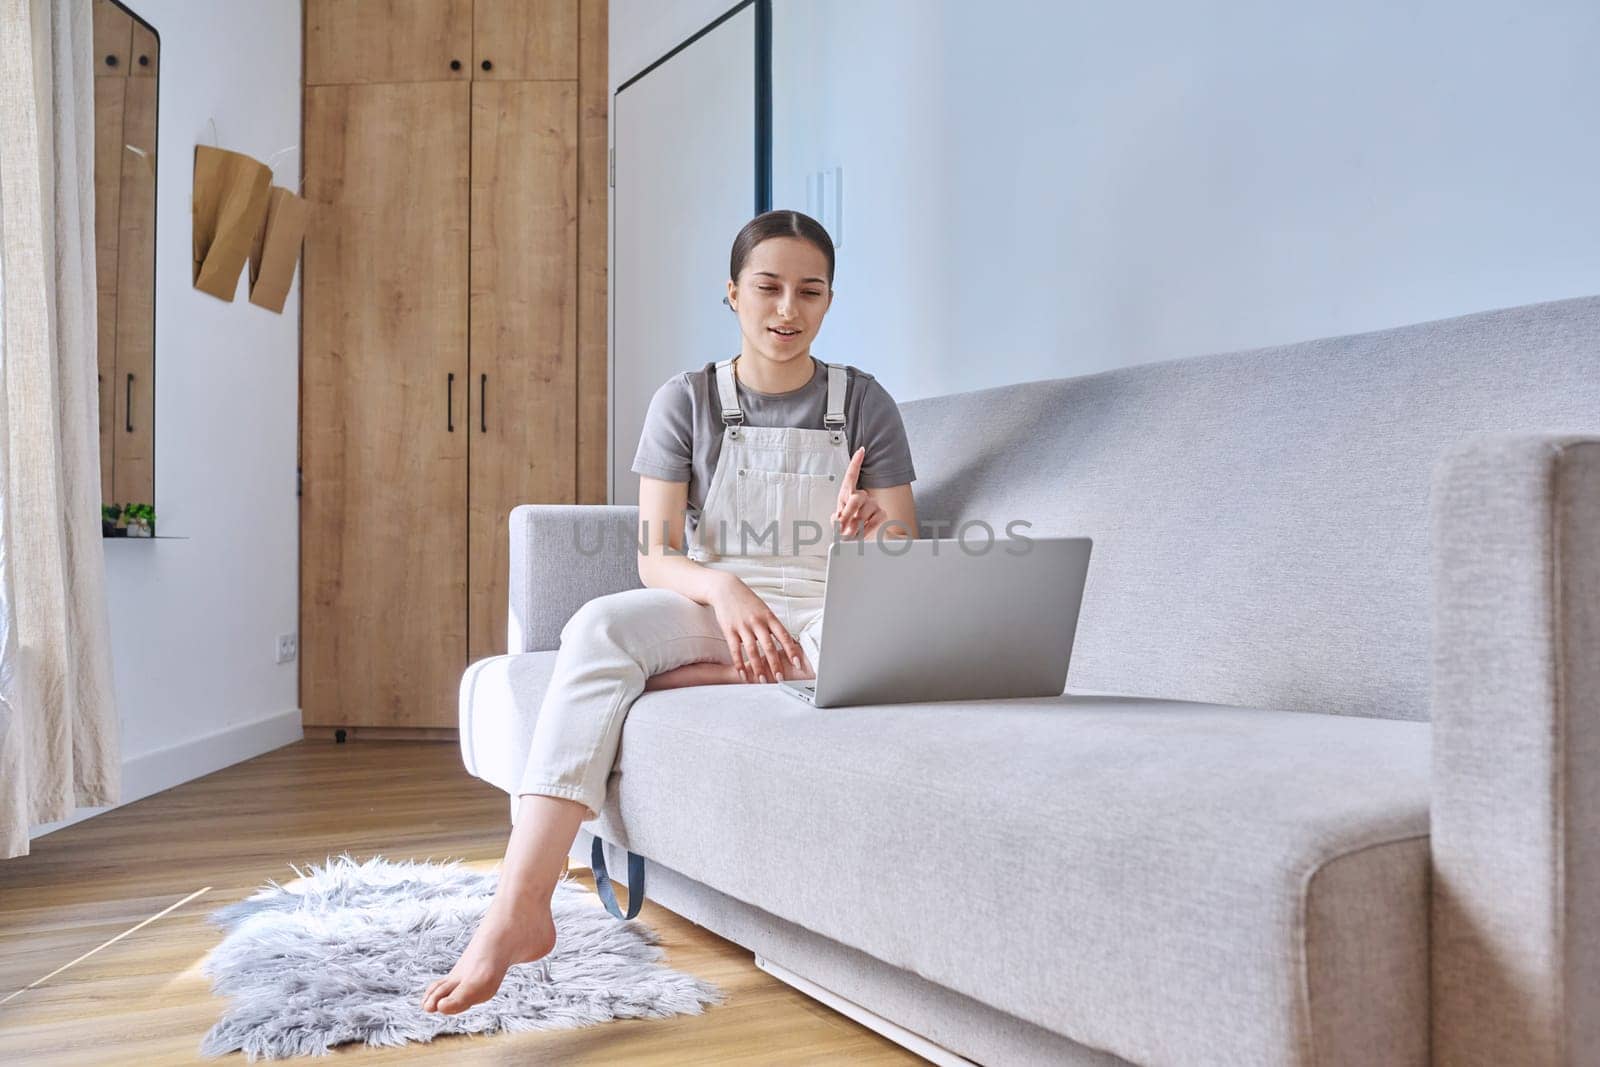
column 756, row 463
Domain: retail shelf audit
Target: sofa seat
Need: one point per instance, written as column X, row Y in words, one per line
column 1170, row 881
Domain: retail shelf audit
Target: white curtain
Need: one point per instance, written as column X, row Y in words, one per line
column 58, row 723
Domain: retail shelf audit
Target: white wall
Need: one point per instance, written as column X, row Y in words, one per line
column 1037, row 188
column 642, row 31
column 194, row 622
column 861, row 84
column 675, row 203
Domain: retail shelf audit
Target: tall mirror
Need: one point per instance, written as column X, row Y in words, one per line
column 127, row 71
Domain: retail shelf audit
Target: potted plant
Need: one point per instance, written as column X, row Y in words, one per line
column 141, row 520
column 111, row 521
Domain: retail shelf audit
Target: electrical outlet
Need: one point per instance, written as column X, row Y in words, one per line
column 288, row 646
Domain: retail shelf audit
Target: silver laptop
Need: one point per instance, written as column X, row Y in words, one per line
column 927, row 620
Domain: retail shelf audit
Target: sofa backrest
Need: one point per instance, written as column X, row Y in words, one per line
column 1260, row 519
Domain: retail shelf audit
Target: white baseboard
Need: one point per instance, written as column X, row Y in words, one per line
column 870, row 1019
column 152, row 772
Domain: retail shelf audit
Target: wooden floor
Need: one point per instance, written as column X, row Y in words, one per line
column 141, row 999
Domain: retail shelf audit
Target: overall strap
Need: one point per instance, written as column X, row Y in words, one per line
column 602, row 881
column 834, row 419
column 728, row 394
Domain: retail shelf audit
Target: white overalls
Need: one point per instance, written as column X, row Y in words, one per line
column 766, row 518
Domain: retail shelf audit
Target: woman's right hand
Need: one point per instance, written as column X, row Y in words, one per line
column 757, row 640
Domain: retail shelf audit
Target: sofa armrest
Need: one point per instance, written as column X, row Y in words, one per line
column 1516, row 750
column 562, row 556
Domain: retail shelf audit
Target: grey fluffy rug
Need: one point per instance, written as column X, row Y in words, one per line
column 345, row 955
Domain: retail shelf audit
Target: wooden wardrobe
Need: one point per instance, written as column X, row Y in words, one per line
column 453, row 332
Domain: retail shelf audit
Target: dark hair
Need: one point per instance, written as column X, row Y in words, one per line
column 779, row 224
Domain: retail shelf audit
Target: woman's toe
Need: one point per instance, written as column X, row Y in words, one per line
column 456, row 1001
column 436, row 993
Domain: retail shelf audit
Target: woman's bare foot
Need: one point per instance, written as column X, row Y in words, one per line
column 706, row 673
column 508, row 935
column 713, row 673
column 517, row 927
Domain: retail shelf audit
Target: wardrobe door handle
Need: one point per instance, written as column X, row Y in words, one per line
column 483, row 404
column 127, row 404
column 450, row 403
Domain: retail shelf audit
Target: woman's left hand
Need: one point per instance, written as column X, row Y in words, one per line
column 857, row 511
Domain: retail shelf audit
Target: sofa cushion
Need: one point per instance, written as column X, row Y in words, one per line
column 1261, row 518
column 1170, row 881
column 499, row 703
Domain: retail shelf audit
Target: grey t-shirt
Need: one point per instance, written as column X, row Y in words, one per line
column 682, row 435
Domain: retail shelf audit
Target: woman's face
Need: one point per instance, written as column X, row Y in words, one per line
column 784, row 285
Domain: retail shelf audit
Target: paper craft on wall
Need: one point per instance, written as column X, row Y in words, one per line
column 231, row 192
column 276, row 249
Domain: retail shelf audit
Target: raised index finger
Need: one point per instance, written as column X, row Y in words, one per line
column 852, row 472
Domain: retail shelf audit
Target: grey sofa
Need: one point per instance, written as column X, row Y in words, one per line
column 1324, row 784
